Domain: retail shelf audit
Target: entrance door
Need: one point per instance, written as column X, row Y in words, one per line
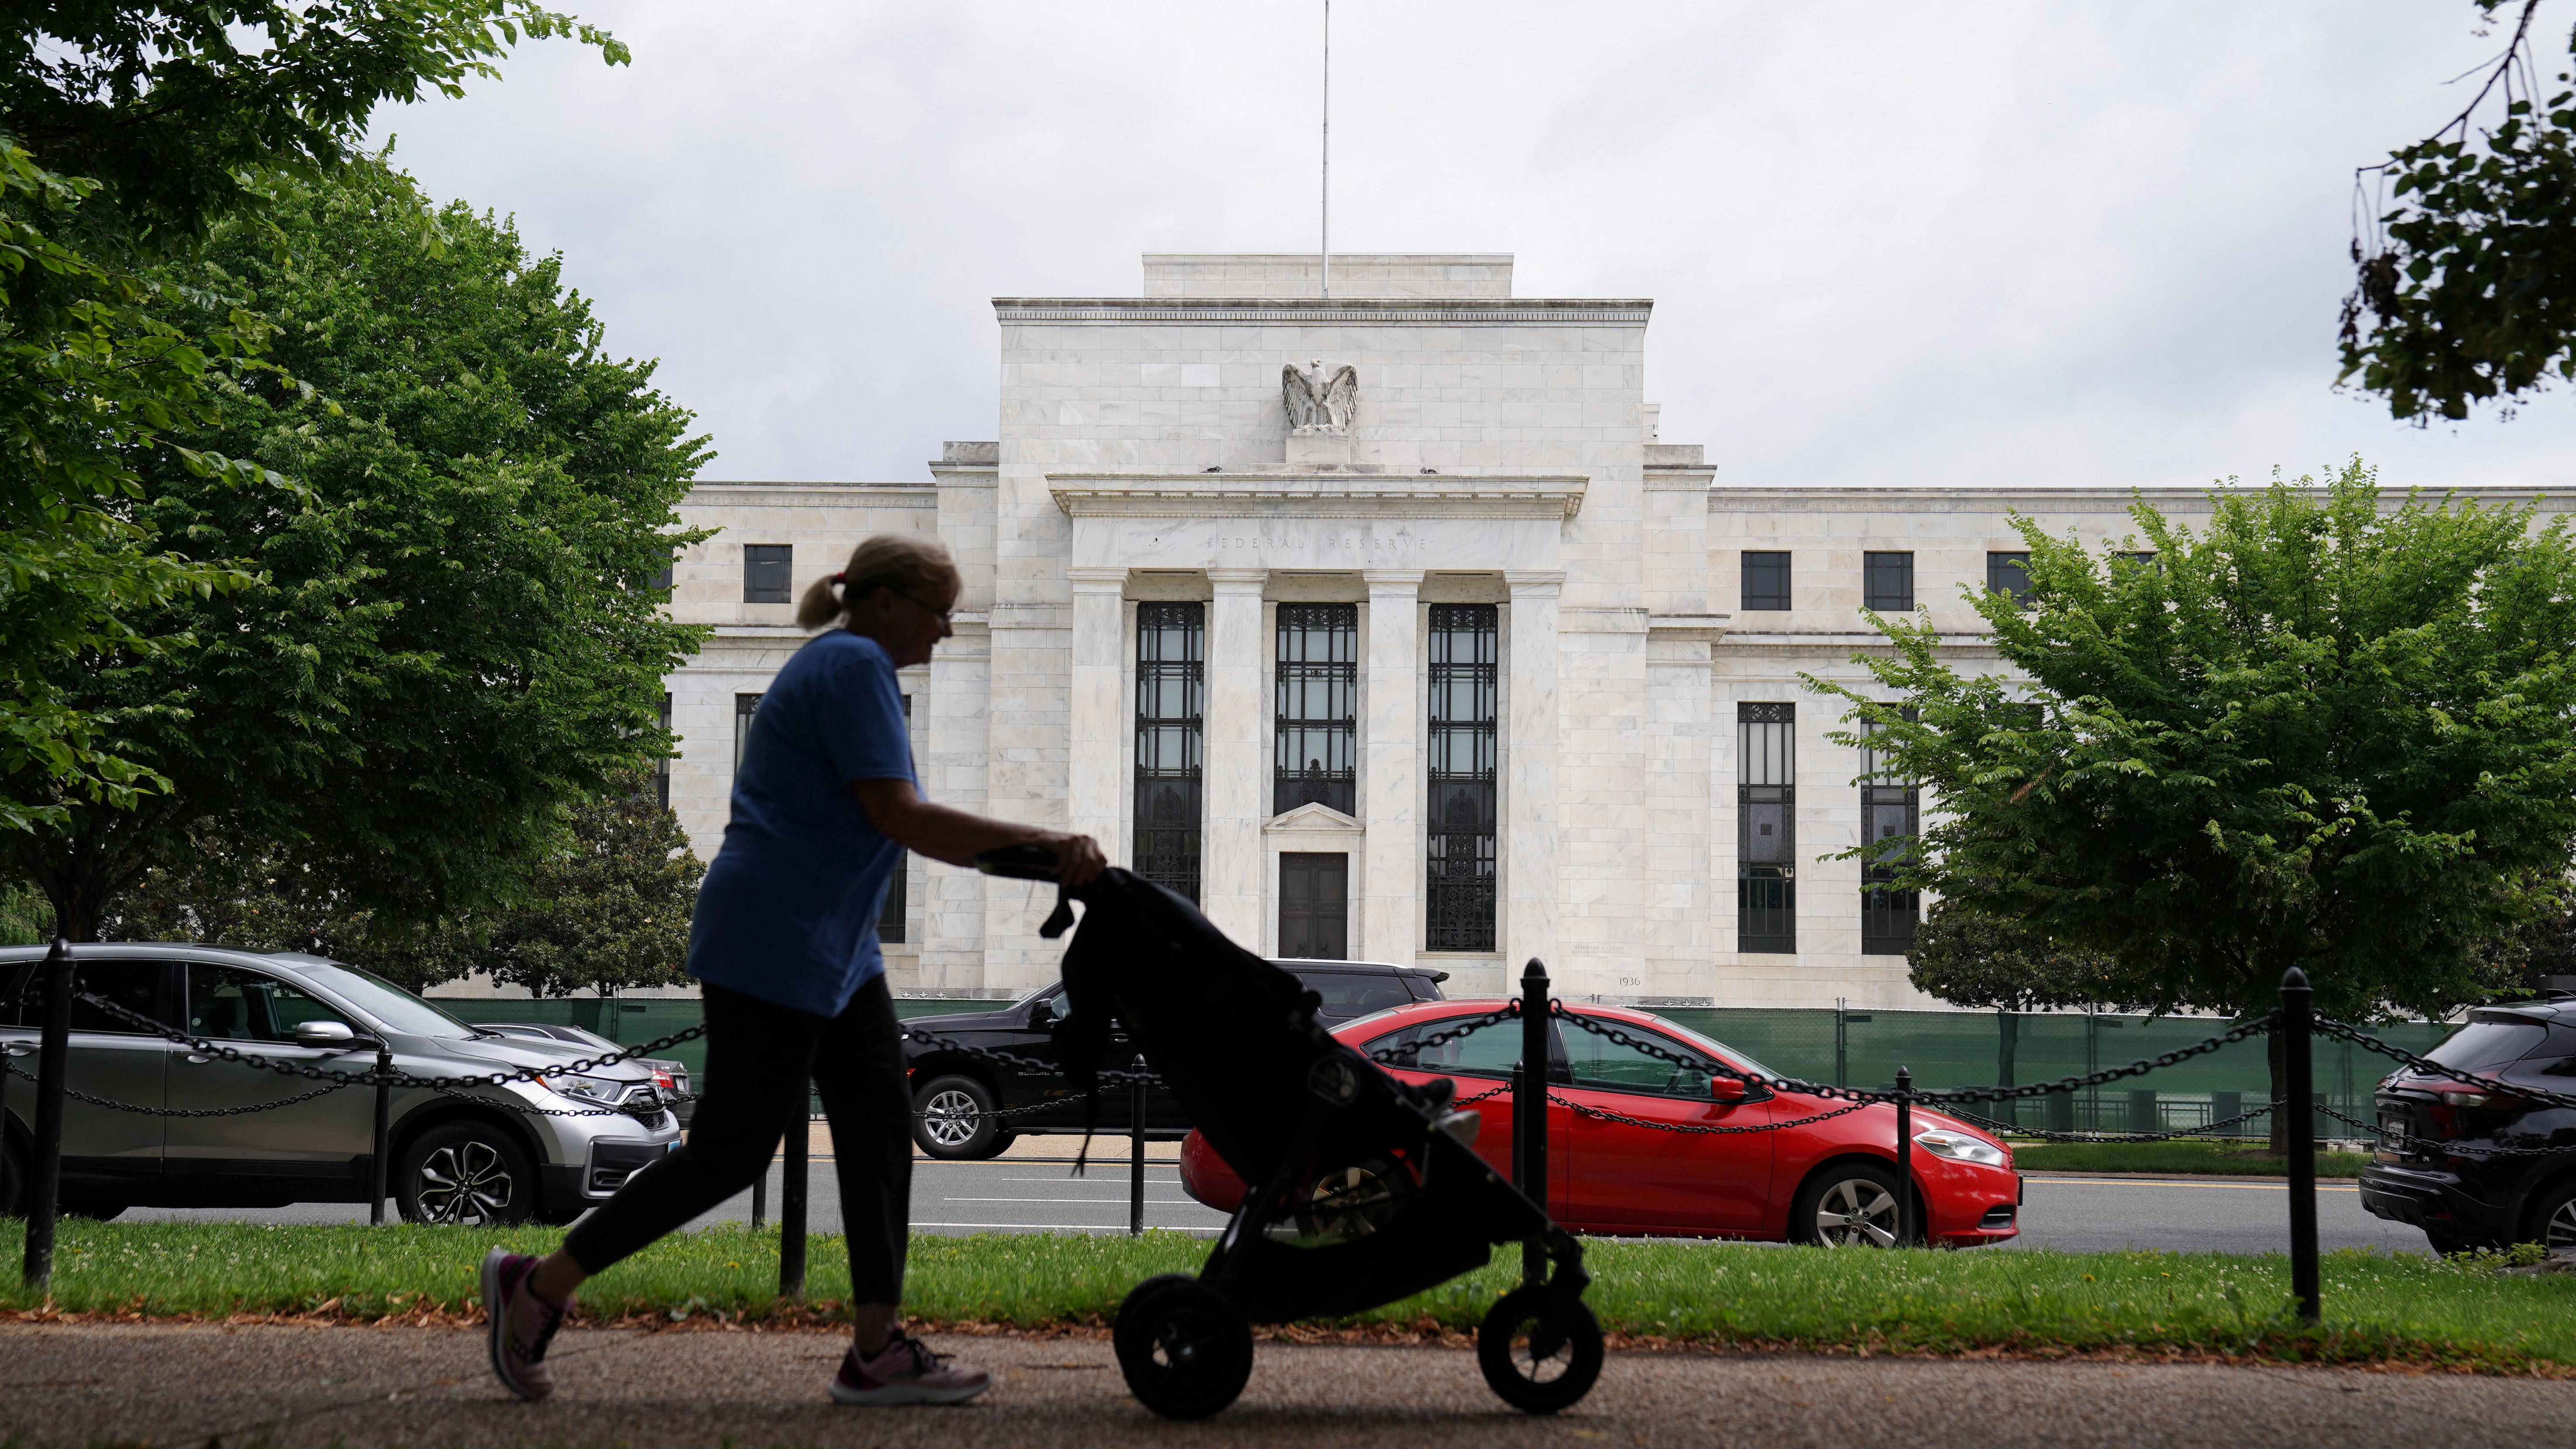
column 1314, row 906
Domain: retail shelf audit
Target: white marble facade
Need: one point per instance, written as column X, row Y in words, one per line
column 1502, row 452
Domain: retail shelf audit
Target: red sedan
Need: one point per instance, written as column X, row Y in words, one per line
column 1829, row 1182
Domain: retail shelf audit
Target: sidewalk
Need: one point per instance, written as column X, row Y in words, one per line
column 79, row 1385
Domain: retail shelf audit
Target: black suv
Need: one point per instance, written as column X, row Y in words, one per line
column 2525, row 1192
column 952, row 1091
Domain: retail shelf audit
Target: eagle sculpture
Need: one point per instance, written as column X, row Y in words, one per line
column 1317, row 401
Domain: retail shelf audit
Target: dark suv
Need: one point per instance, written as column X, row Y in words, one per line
column 2524, row 1191
column 953, row 1091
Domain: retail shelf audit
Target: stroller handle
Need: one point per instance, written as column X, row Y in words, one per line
column 1019, row 862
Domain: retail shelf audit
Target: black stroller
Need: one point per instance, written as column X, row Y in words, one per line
column 1360, row 1189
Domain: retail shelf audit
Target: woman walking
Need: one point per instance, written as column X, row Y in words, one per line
column 784, row 947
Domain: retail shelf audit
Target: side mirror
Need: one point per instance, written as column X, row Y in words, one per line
column 323, row 1033
column 1042, row 1011
column 1726, row 1089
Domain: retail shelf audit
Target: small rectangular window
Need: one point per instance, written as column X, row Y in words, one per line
column 2143, row 559
column 744, row 707
column 766, row 572
column 1887, row 582
column 662, row 577
column 1766, row 582
column 662, row 767
column 2009, row 573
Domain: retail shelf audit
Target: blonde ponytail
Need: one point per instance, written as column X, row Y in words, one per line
column 906, row 562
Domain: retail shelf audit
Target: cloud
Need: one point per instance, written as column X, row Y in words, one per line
column 1889, row 243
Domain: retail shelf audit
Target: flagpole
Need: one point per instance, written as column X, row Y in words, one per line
column 1328, row 149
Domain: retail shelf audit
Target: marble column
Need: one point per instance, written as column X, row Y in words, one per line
column 1390, row 924
column 1235, row 798
column 1530, row 815
column 1099, row 708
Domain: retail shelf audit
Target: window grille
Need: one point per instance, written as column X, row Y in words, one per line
column 766, row 572
column 1890, row 809
column 662, row 767
column 1459, row 914
column 1315, row 754
column 1766, row 832
column 1766, row 581
column 1171, row 733
column 2009, row 573
column 1887, row 582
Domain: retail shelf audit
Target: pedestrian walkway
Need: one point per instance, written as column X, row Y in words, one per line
column 78, row 1385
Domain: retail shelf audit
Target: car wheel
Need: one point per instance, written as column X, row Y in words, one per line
column 1848, row 1205
column 952, row 1119
column 1514, row 1369
column 473, row 1174
column 2552, row 1219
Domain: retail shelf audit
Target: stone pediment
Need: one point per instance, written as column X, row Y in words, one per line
column 1319, row 493
column 1314, row 817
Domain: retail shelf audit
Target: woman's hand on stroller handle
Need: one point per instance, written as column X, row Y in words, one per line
column 1068, row 860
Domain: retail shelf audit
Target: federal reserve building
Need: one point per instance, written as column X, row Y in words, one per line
column 1384, row 625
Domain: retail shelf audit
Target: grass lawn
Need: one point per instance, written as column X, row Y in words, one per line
column 2379, row 1307
column 2232, row 1158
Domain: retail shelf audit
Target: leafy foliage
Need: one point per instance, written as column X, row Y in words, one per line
column 1969, row 958
column 2322, row 734
column 454, row 638
column 128, row 128
column 2470, row 278
column 190, row 113
column 604, row 908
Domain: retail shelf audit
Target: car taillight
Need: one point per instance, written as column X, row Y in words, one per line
column 2463, row 1095
column 663, row 1081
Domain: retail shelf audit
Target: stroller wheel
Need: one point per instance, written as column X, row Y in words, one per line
column 1186, row 1352
column 1525, row 1380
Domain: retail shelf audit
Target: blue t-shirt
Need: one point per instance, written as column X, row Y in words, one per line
column 788, row 911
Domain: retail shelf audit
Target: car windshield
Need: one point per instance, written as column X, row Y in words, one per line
column 2483, row 1046
column 393, row 1007
column 1712, row 1044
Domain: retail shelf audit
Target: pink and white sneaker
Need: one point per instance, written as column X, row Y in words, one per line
column 522, row 1324
column 905, row 1371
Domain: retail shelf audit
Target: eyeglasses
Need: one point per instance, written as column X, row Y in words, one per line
column 942, row 615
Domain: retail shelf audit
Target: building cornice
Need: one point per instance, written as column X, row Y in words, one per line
column 811, row 495
column 1555, row 496
column 1331, row 311
column 1850, row 498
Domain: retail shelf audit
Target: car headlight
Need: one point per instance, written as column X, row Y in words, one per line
column 1959, row 1147
column 599, row 1090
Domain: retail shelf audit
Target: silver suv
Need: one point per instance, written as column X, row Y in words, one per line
column 485, row 1155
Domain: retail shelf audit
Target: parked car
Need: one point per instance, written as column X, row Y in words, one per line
column 670, row 1077
column 953, row 1090
column 488, row 1155
column 2463, row 1199
column 1831, row 1183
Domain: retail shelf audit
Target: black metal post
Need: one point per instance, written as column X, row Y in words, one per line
column 1136, row 1153
column 1529, row 1111
column 1904, row 1158
column 377, row 1170
column 53, row 1070
column 2295, row 995
column 791, row 1206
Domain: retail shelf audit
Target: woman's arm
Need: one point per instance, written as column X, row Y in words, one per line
column 956, row 837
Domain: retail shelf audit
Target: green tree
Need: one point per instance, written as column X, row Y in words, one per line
column 607, row 911
column 128, row 128
column 453, row 639
column 2323, row 733
column 2468, row 274
column 1969, row 958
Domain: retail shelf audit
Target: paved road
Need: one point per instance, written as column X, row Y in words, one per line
column 1031, row 1190
column 75, row 1385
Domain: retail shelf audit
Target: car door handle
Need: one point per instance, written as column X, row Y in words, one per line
column 198, row 1058
column 17, row 1049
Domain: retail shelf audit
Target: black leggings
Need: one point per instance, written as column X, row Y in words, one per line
column 759, row 1058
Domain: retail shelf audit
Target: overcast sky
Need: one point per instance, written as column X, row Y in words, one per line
column 1888, row 243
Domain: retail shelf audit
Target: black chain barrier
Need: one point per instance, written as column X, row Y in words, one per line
column 2345, row 1031
column 255, row 1061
